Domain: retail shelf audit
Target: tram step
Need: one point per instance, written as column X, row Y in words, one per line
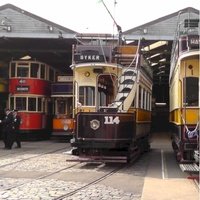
column 105, row 159
column 194, row 168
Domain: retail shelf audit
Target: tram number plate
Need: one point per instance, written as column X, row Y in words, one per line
column 111, row 120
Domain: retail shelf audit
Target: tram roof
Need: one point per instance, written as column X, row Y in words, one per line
column 95, row 65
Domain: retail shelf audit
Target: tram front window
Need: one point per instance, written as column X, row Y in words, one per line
column 61, row 107
column 21, row 103
column 35, row 70
column 22, row 71
column 87, row 95
column 32, row 104
column 101, row 98
column 191, row 91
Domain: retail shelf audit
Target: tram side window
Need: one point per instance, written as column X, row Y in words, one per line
column 42, row 71
column 141, row 97
column 22, row 71
column 32, row 104
column 12, row 72
column 144, row 99
column 191, row 91
column 51, row 75
column 35, row 70
column 147, row 100
column 39, row 104
column 12, row 103
column 21, row 103
column 150, row 102
column 86, row 95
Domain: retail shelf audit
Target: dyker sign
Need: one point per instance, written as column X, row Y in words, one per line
column 88, row 56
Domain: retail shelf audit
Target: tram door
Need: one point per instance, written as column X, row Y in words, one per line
column 106, row 90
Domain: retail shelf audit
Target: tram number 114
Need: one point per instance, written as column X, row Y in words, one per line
column 111, row 120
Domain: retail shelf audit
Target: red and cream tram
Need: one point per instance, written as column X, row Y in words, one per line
column 62, row 97
column 29, row 93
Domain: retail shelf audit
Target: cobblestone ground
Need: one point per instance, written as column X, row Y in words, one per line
column 29, row 160
column 51, row 188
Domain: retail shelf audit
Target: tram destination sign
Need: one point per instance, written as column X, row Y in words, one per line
column 22, row 88
column 88, row 56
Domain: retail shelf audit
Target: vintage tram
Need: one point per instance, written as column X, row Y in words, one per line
column 112, row 104
column 29, row 93
column 184, row 92
column 62, row 98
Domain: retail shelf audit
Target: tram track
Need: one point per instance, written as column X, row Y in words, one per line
column 35, row 156
column 112, row 170
column 97, row 180
column 19, row 151
column 41, row 177
column 71, row 193
column 9, row 186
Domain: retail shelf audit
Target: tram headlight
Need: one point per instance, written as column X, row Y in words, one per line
column 65, row 127
column 87, row 74
column 94, row 124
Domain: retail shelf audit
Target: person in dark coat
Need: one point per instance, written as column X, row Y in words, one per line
column 7, row 131
column 16, row 124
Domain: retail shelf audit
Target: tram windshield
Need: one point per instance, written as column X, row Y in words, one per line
column 87, row 95
column 191, row 91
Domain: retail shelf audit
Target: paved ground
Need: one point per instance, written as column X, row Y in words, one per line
column 165, row 181
column 39, row 170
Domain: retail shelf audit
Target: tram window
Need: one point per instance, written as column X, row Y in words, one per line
column 35, row 70
column 22, row 72
column 42, row 71
column 133, row 103
column 141, row 99
column 61, row 107
column 51, row 75
column 12, row 72
column 21, row 103
column 150, row 102
column 39, row 104
column 144, row 99
column 102, row 98
column 191, row 91
column 32, row 104
column 86, row 95
column 147, row 100
column 12, row 103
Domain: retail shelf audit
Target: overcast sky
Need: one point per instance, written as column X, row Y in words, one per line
column 91, row 15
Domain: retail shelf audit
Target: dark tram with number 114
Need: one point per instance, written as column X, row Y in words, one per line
column 112, row 100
